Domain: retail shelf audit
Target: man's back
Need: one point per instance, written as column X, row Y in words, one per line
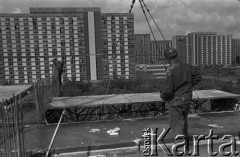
column 179, row 82
column 182, row 80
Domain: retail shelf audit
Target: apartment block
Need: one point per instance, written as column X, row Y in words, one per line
column 142, row 48
column 179, row 43
column 157, row 49
column 208, row 48
column 235, row 49
column 117, row 46
column 29, row 43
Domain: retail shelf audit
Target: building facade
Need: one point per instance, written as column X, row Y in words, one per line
column 235, row 50
column 157, row 69
column 157, row 49
column 117, row 40
column 142, row 48
column 179, row 43
column 208, row 48
column 29, row 43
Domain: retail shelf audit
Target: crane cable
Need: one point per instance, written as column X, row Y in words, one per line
column 131, row 7
column 157, row 47
column 147, row 21
column 153, row 19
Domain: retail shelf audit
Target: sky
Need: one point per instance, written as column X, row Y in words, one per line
column 173, row 17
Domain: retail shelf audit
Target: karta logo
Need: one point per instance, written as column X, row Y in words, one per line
column 151, row 141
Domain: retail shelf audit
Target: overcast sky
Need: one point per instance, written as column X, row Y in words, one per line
column 174, row 17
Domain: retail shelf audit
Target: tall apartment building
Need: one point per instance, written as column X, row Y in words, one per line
column 117, row 40
column 235, row 49
column 29, row 42
column 208, row 48
column 157, row 49
column 142, row 48
column 179, row 43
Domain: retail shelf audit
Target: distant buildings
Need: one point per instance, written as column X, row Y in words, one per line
column 204, row 48
column 96, row 46
column 31, row 41
column 208, row 48
column 179, row 43
column 158, row 70
column 157, row 49
column 149, row 56
column 117, row 40
column 142, row 48
column 236, row 50
column 91, row 45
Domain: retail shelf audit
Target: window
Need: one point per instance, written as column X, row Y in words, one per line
column 61, row 21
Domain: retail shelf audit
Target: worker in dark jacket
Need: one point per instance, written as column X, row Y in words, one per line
column 177, row 91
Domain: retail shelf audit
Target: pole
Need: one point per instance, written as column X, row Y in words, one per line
column 3, row 128
column 19, row 144
column 55, row 133
column 36, row 103
column 22, row 127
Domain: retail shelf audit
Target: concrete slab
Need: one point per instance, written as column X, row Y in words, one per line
column 115, row 99
column 82, row 136
column 6, row 92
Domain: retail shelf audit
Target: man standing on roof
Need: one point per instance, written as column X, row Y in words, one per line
column 177, row 91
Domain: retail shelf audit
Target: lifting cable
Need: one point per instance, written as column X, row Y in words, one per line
column 157, row 46
column 131, row 7
column 153, row 19
column 147, row 21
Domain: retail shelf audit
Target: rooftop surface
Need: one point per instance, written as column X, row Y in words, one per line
column 89, row 136
column 50, row 10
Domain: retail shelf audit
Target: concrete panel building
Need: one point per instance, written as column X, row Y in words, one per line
column 208, row 48
column 235, row 49
column 142, row 48
column 158, row 69
column 29, row 43
column 117, row 46
column 157, row 49
column 179, row 43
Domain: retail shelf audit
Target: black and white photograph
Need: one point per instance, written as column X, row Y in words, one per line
column 119, row 78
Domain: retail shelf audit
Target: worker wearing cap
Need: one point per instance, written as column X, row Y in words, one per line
column 177, row 90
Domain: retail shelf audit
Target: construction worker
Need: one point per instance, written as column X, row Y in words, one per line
column 57, row 76
column 177, row 90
